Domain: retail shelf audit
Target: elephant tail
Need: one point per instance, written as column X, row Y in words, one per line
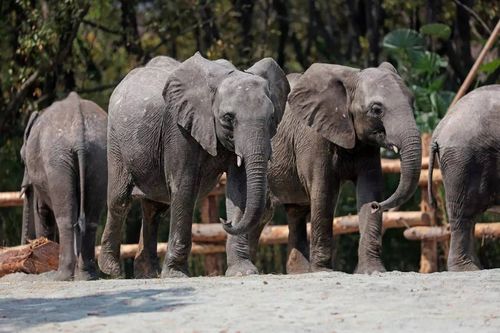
column 434, row 150
column 80, row 155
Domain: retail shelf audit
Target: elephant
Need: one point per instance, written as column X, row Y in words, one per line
column 173, row 129
column 65, row 179
column 334, row 124
column 467, row 144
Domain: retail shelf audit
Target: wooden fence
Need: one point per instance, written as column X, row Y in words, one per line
column 209, row 237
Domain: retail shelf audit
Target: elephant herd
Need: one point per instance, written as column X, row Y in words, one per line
column 173, row 128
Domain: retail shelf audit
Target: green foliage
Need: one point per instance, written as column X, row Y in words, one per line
column 424, row 71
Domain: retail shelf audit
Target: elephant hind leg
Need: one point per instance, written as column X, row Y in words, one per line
column 146, row 262
column 298, row 248
column 87, row 269
column 119, row 202
column 65, row 208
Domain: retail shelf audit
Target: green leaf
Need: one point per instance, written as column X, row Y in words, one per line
column 437, row 30
column 490, row 67
column 443, row 101
column 404, row 40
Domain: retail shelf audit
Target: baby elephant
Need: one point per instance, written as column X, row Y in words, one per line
column 467, row 143
column 65, row 178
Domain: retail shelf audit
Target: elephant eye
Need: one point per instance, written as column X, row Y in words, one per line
column 376, row 110
column 228, row 118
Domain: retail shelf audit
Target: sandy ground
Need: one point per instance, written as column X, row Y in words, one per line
column 320, row 302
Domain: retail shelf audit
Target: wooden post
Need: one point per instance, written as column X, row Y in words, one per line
column 214, row 263
column 428, row 248
column 477, row 63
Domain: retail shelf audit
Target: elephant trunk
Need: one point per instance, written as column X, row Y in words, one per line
column 246, row 192
column 411, row 156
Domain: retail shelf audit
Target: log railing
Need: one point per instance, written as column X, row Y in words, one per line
column 209, row 237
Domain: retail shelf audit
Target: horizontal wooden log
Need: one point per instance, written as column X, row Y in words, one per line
column 441, row 233
column 40, row 255
column 394, row 165
column 437, row 177
column 10, row 199
column 213, row 232
column 130, row 250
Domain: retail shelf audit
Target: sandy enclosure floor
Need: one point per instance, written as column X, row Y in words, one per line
column 320, row 302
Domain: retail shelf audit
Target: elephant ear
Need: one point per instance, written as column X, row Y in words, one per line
column 189, row 93
column 27, row 131
column 388, row 67
column 279, row 88
column 320, row 98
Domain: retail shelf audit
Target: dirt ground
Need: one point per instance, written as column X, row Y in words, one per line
column 320, row 302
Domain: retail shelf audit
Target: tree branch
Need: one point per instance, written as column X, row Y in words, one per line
column 103, row 28
column 474, row 15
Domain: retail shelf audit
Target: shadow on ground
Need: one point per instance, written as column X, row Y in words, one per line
column 18, row 314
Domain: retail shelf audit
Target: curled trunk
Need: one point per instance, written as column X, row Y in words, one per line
column 411, row 159
column 246, row 194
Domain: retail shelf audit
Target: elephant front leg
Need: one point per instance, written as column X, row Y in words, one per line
column 179, row 238
column 242, row 250
column 323, row 201
column 370, row 242
column 298, row 247
column 369, row 186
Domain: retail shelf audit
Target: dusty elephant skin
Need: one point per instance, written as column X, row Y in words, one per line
column 65, row 177
column 467, row 144
column 174, row 128
column 335, row 122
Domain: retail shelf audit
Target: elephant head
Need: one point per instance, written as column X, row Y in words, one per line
column 224, row 108
column 26, row 190
column 347, row 105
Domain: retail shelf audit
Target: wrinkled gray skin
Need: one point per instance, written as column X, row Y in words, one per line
column 467, row 144
column 65, row 177
column 335, row 122
column 174, row 128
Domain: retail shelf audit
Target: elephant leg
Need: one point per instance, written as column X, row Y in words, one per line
column 43, row 228
column 462, row 256
column 298, row 249
column 463, row 201
column 146, row 263
column 323, row 200
column 119, row 202
column 369, row 186
column 181, row 220
column 87, row 269
column 242, row 249
column 65, row 208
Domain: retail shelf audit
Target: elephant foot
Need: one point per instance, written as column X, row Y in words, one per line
column 57, row 276
column 297, row 263
column 242, row 268
column 87, row 272
column 168, row 273
column 317, row 268
column 109, row 265
column 370, row 268
column 145, row 269
column 463, row 265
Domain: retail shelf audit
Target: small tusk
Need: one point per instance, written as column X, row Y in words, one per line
column 238, row 160
column 22, row 195
column 224, row 221
column 395, row 149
